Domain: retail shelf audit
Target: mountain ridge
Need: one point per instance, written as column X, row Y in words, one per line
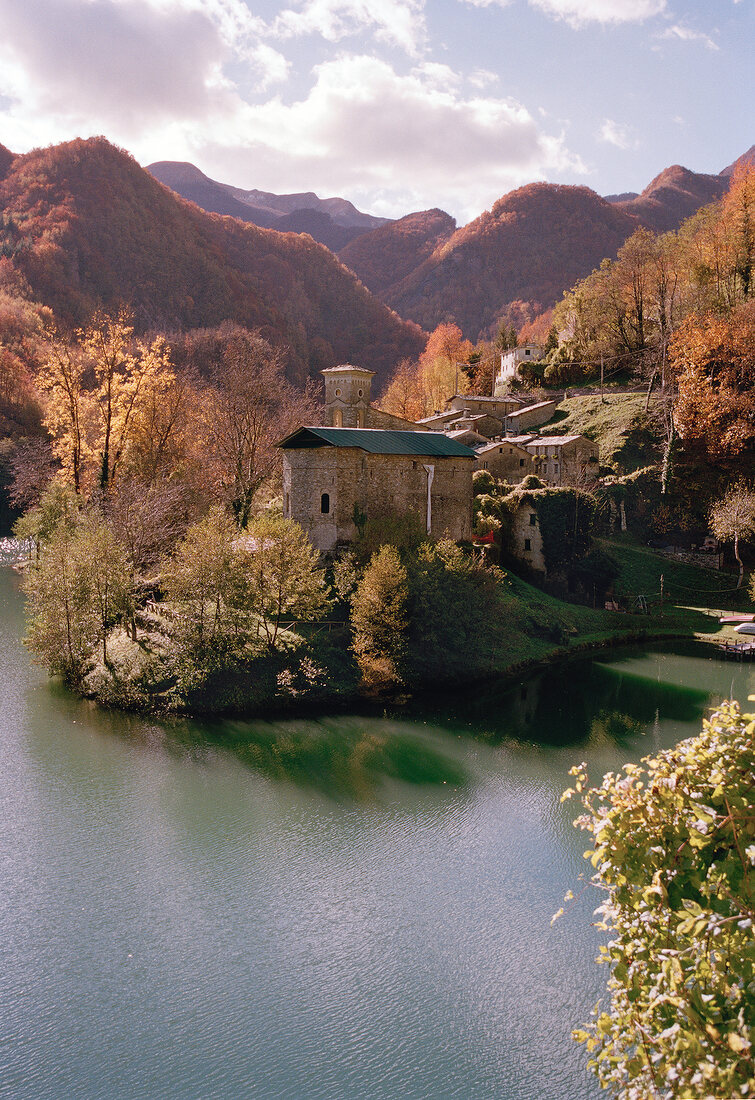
column 333, row 221
column 89, row 228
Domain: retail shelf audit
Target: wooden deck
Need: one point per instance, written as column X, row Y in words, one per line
column 738, row 651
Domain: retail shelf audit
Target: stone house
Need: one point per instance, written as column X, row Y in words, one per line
column 529, row 417
column 565, row 516
column 485, row 415
column 468, row 436
column 348, row 401
column 526, row 540
column 334, row 476
column 485, row 425
column 499, row 407
column 564, row 459
column 439, row 421
column 506, row 460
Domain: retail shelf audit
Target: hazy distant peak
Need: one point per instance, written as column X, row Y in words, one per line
column 177, row 171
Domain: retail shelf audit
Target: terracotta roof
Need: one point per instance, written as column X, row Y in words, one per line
column 377, row 441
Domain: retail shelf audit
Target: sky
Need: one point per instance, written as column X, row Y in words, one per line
column 398, row 105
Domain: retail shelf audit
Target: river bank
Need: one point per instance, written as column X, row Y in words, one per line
column 366, row 900
column 465, row 626
column 310, row 680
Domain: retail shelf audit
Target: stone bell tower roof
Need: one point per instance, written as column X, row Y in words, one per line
column 348, row 368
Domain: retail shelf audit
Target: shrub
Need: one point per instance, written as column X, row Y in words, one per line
column 673, row 847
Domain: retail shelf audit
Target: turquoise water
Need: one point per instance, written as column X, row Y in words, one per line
column 182, row 918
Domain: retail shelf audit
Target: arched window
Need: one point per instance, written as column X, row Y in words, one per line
column 325, row 504
column 338, row 418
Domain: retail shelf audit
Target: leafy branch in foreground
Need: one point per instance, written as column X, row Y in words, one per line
column 674, row 852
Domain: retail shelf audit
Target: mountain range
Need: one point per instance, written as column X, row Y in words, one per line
column 515, row 260
column 332, row 222
column 83, row 226
column 86, row 227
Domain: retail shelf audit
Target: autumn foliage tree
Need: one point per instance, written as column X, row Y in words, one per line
column 713, row 358
column 733, row 518
column 418, row 390
column 247, row 408
column 673, row 851
column 97, row 387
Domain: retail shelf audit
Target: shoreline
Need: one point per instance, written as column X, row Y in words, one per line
column 398, row 695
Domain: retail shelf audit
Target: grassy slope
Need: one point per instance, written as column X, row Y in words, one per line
column 693, row 597
column 620, row 426
column 539, row 626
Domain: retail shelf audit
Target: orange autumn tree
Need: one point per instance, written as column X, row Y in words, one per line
column 713, row 358
column 419, row 389
column 403, row 397
column 441, row 366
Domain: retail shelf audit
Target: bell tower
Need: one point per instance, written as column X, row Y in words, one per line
column 347, row 396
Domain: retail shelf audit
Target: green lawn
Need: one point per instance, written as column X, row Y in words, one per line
column 626, row 435
column 692, row 597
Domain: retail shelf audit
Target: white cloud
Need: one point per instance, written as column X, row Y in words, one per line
column 397, row 22
column 153, row 76
column 483, row 78
column 394, row 142
column 579, row 12
column 614, row 134
column 685, row 34
column 124, row 64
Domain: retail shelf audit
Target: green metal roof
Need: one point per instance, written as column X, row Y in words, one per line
column 378, row 442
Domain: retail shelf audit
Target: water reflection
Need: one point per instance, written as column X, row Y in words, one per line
column 353, row 756
column 347, row 756
column 583, row 701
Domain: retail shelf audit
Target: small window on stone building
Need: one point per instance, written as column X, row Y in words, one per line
column 338, row 393
column 325, row 504
column 521, row 462
column 533, row 519
column 360, row 393
column 484, row 465
column 528, row 544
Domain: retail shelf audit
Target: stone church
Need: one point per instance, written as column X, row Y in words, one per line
column 365, row 463
column 335, row 477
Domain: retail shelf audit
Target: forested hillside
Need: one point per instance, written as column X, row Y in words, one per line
column 673, row 196
column 86, row 228
column 534, row 243
column 388, row 254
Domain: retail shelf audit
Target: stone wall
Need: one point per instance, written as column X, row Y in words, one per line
column 322, row 486
column 376, row 418
column 531, row 417
column 526, row 539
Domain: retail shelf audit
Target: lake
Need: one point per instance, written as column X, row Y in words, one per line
column 354, row 906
